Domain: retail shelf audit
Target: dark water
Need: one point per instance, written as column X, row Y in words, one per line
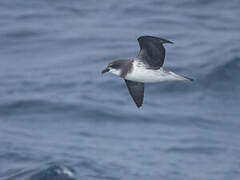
column 61, row 119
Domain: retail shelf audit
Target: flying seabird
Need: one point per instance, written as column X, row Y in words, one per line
column 145, row 68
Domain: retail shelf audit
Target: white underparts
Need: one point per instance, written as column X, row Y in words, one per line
column 140, row 73
column 115, row 71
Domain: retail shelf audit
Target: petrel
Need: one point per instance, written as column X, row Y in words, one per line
column 147, row 67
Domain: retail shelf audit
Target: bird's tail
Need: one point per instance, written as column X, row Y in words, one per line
column 188, row 79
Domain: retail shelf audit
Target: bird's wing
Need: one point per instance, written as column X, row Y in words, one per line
column 152, row 51
column 136, row 89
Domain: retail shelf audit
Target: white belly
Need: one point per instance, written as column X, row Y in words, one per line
column 141, row 74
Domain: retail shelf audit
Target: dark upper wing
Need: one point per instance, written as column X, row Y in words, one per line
column 136, row 89
column 152, row 51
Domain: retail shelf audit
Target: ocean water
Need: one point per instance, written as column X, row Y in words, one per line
column 60, row 119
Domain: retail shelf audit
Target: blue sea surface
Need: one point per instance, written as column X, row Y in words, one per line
column 60, row 119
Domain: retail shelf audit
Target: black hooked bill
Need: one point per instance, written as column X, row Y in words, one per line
column 105, row 70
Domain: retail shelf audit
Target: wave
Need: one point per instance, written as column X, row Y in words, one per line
column 196, row 150
column 224, row 76
column 51, row 172
column 57, row 172
column 33, row 105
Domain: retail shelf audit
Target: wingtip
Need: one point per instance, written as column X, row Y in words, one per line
column 139, row 106
column 159, row 38
column 166, row 41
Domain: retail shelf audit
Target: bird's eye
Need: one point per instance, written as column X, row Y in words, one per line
column 115, row 66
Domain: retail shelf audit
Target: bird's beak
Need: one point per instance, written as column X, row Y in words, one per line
column 105, row 70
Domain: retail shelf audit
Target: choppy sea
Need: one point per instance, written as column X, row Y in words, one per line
column 60, row 119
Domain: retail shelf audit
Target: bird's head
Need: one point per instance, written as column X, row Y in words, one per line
column 113, row 67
